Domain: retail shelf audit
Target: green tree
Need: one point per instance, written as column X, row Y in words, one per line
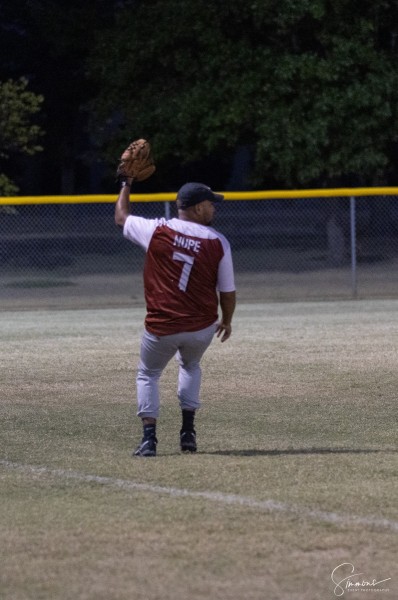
column 18, row 134
column 311, row 86
column 47, row 42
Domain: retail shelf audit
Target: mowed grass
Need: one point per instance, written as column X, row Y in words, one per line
column 299, row 409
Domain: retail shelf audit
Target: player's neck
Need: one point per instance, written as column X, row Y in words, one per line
column 190, row 216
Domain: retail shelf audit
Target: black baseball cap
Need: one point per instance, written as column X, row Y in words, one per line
column 193, row 193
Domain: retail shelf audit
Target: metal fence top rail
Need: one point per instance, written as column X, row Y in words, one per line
column 171, row 196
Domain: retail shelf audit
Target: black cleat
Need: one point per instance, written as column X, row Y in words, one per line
column 188, row 441
column 147, row 447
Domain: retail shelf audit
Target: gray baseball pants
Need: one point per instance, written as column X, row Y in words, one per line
column 156, row 352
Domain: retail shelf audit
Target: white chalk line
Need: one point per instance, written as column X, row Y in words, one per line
column 271, row 506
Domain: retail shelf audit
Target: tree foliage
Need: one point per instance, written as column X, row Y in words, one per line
column 308, row 87
column 311, row 86
column 18, row 134
column 47, row 42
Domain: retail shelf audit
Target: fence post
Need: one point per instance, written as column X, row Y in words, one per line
column 353, row 247
column 167, row 210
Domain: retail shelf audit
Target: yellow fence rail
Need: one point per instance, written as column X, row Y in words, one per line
column 170, row 196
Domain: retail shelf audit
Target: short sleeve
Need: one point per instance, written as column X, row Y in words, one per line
column 226, row 279
column 140, row 230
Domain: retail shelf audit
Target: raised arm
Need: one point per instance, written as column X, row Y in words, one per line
column 136, row 164
column 122, row 207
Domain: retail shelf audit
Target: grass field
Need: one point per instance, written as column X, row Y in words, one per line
column 296, row 472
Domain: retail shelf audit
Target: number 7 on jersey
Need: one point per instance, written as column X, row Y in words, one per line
column 186, row 268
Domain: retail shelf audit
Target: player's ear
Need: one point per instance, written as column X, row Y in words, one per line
column 198, row 208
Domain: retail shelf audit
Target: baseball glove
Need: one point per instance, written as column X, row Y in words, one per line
column 136, row 162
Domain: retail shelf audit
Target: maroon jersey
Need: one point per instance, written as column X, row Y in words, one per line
column 186, row 264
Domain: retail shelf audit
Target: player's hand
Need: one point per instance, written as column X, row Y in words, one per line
column 224, row 331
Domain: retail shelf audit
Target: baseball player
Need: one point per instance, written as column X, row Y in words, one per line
column 188, row 274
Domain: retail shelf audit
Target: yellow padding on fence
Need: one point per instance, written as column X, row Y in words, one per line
column 167, row 197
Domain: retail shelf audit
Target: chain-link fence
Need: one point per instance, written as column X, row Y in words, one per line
column 287, row 249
